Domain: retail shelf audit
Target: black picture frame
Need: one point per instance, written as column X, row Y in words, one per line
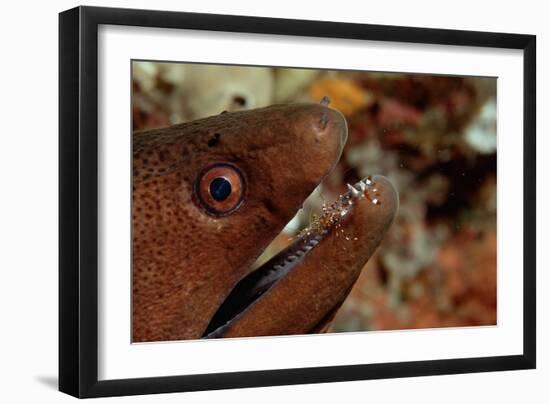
column 78, row 200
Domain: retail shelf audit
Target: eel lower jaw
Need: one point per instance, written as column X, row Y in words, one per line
column 252, row 287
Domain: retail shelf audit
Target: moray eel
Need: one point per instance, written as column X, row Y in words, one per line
column 208, row 198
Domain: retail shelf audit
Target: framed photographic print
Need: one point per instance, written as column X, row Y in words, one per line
column 251, row 201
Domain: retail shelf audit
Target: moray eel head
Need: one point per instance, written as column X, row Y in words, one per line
column 208, row 198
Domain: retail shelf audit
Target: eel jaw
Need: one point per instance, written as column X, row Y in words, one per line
column 262, row 292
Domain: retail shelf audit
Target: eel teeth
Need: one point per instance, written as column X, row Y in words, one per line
column 354, row 192
column 299, row 253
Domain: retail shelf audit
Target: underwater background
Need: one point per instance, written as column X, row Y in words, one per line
column 434, row 136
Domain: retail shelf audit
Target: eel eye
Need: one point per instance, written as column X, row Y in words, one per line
column 220, row 189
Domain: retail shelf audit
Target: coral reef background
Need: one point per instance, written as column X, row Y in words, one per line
column 433, row 136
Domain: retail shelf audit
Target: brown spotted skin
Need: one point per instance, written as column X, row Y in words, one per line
column 305, row 300
column 185, row 261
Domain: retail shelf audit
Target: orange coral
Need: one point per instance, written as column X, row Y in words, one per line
column 345, row 95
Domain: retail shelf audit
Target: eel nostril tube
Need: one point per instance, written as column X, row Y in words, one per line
column 324, row 118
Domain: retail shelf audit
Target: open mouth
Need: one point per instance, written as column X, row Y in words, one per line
column 255, row 285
